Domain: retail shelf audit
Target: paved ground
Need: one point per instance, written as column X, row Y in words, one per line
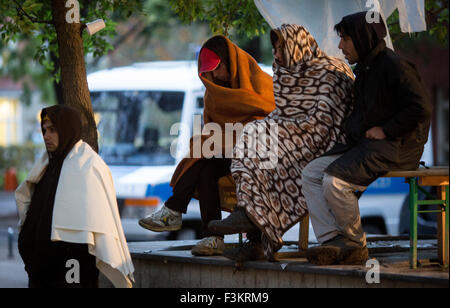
column 7, row 204
column 12, row 273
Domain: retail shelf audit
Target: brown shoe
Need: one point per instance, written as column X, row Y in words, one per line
column 248, row 251
column 236, row 222
column 339, row 250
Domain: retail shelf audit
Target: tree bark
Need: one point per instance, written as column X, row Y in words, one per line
column 57, row 87
column 75, row 91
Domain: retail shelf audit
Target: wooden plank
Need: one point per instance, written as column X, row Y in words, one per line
column 353, row 282
column 334, row 281
column 273, row 278
column 249, row 278
column 303, row 236
column 321, row 281
column 308, row 281
column 228, row 280
column 195, row 275
column 433, row 180
column 284, row 279
column 209, row 276
column 408, row 285
column 261, row 279
column 295, row 279
column 433, row 171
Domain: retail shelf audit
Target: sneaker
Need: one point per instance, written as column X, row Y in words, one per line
column 209, row 246
column 339, row 250
column 249, row 251
column 163, row 220
column 236, row 222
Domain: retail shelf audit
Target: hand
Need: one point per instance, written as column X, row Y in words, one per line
column 376, row 133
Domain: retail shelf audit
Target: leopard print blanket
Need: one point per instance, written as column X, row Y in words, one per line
column 313, row 95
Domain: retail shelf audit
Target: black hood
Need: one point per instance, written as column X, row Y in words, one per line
column 68, row 125
column 366, row 36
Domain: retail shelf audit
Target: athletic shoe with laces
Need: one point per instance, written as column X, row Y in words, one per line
column 209, row 246
column 163, row 220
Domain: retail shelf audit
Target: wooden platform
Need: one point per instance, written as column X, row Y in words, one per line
column 171, row 265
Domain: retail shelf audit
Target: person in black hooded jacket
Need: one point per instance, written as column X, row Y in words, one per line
column 386, row 130
column 46, row 261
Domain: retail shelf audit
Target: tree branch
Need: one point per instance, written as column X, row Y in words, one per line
column 32, row 19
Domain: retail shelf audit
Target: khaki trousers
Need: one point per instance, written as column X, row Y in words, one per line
column 332, row 203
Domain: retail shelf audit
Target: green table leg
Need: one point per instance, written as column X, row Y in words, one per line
column 413, row 197
column 446, row 227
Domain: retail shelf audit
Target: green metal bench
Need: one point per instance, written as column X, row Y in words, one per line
column 433, row 176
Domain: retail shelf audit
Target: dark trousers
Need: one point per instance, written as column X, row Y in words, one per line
column 203, row 177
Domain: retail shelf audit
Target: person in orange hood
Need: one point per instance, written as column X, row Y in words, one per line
column 237, row 91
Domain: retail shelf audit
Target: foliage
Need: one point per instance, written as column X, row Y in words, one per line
column 223, row 15
column 28, row 39
column 156, row 33
column 437, row 25
column 243, row 16
column 27, row 24
column 20, row 157
column 18, row 64
column 437, row 19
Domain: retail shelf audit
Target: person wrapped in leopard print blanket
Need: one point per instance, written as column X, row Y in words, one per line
column 313, row 96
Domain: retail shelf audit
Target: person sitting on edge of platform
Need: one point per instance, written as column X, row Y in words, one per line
column 70, row 227
column 313, row 95
column 237, row 92
column 386, row 131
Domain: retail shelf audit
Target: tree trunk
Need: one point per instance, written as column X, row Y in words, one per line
column 57, row 87
column 75, row 89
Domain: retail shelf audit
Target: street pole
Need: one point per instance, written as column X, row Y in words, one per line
column 10, row 243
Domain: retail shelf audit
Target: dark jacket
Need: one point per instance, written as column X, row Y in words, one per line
column 45, row 261
column 389, row 93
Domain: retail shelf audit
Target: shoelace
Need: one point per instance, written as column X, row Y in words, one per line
column 210, row 241
column 160, row 214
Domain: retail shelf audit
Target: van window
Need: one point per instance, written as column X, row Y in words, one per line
column 200, row 103
column 134, row 126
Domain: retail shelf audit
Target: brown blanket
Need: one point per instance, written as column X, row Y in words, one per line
column 249, row 98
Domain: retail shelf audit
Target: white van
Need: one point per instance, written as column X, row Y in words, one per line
column 135, row 108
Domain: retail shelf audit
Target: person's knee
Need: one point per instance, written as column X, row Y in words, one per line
column 329, row 184
column 334, row 186
column 311, row 174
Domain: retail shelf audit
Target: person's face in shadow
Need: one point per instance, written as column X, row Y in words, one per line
column 51, row 137
column 348, row 49
column 221, row 75
column 278, row 52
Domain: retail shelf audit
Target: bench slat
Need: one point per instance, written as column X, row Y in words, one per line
column 433, row 180
column 433, row 171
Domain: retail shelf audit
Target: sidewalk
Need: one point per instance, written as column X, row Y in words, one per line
column 7, row 204
column 12, row 273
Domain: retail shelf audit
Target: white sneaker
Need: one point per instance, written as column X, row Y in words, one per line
column 209, row 246
column 163, row 220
